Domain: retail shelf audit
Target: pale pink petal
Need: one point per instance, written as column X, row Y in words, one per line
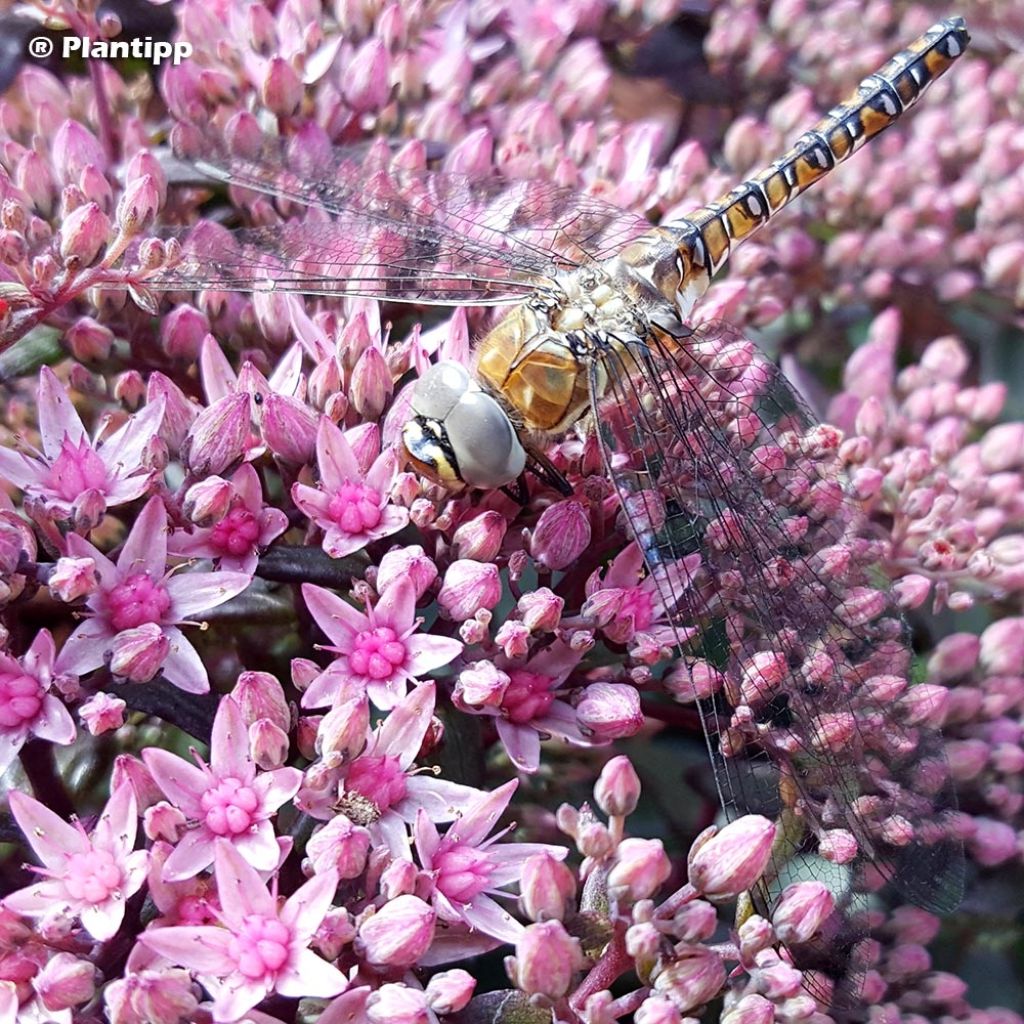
column 386, row 693
column 218, row 378
column 277, row 787
column 455, row 944
column 125, row 489
column 561, row 719
column 312, row 502
column 403, row 730
column 229, row 743
column 337, row 618
column 382, row 473
column 54, row 722
column 10, row 744
column 37, row 898
column 246, row 483
column 304, row 910
column 485, row 915
column 273, row 522
column 182, row 783
column 145, row 548
column 425, row 653
column 310, row 975
column 335, row 457
column 101, row 920
column 40, row 653
column 327, row 687
column 397, row 605
column 84, row 650
column 21, row 470
column 202, row 948
column 57, row 416
column 125, row 446
column 481, row 818
column 556, row 661
column 522, row 744
column 238, row 994
column 115, row 831
column 288, row 371
column 338, row 543
column 390, row 831
column 259, row 846
column 240, row 889
column 427, row 838
column 193, row 593
column 49, row 835
column 183, row 667
column 106, row 570
column 442, row 800
column 192, row 854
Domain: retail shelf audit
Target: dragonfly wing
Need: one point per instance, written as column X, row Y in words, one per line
column 791, row 644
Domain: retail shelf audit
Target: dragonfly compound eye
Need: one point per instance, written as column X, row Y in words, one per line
column 459, row 435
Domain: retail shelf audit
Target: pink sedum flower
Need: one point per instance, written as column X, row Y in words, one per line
column 376, row 650
column 227, row 800
column 70, row 465
column 469, row 867
column 137, row 590
column 27, row 707
column 350, row 506
column 259, row 947
column 89, row 876
column 237, row 539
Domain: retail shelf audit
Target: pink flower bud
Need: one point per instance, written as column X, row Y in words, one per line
column 837, row 845
column 88, row 510
column 398, row 877
column 723, row 864
column 65, row 981
column 89, row 339
column 993, row 842
column 364, row 83
column 74, row 148
column 594, row 840
column 343, row 731
column 656, row 1009
column 179, row 412
column 260, row 695
column 73, row 578
column 468, row 587
column 138, row 654
column 282, row 89
column 138, row 205
column 339, row 846
column 409, row 562
column 268, row 744
column 541, row 610
column 164, row 996
column 640, row 868
column 547, row 888
column 133, row 771
column 450, row 991
column 480, row 538
column 164, row 822
column 182, row 332
column 617, row 791
column 219, row 436
column 561, row 535
column 394, row 1003
column 802, row 910
column 398, row 934
column 289, row 428
column 609, row 711
column 1002, row 647
column 208, row 501
column 751, row 1009
column 371, row 385
column 692, row 979
column 546, row 958
column 695, row 922
column 102, row 713
column 84, row 233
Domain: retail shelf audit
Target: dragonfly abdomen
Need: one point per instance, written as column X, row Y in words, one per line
column 704, row 241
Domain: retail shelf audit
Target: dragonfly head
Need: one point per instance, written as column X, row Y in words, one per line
column 458, row 435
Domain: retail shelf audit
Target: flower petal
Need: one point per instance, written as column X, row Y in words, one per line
column 57, row 416
column 483, row 815
column 522, row 744
column 310, row 975
column 85, row 649
column 196, row 592
column 115, row 831
column 183, row 667
column 425, row 653
column 337, row 618
column 304, row 910
column 101, row 920
column 229, row 743
column 49, row 835
column 182, row 783
column 145, row 547
column 240, row 889
column 334, row 456
column 277, row 787
column 202, row 948
column 403, row 730
column 441, row 799
column 486, row 916
column 192, row 854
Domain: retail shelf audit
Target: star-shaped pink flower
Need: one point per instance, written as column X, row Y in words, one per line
column 225, row 800
column 376, row 651
column 89, row 876
column 138, row 590
column 261, row 948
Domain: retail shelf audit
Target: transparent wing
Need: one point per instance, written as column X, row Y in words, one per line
column 377, row 230
column 796, row 655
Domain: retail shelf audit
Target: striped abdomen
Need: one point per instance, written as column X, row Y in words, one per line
column 705, row 239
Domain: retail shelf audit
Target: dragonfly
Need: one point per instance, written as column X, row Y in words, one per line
column 789, row 640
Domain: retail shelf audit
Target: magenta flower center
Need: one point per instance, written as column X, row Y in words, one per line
column 380, row 779
column 229, row 807
column 527, row 696
column 92, row 877
column 237, row 533
column 260, row 946
column 463, row 872
column 21, row 699
column 376, row 653
column 196, row 909
column 137, row 600
column 355, row 508
column 78, row 468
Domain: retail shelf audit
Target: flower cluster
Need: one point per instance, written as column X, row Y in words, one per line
column 289, row 732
